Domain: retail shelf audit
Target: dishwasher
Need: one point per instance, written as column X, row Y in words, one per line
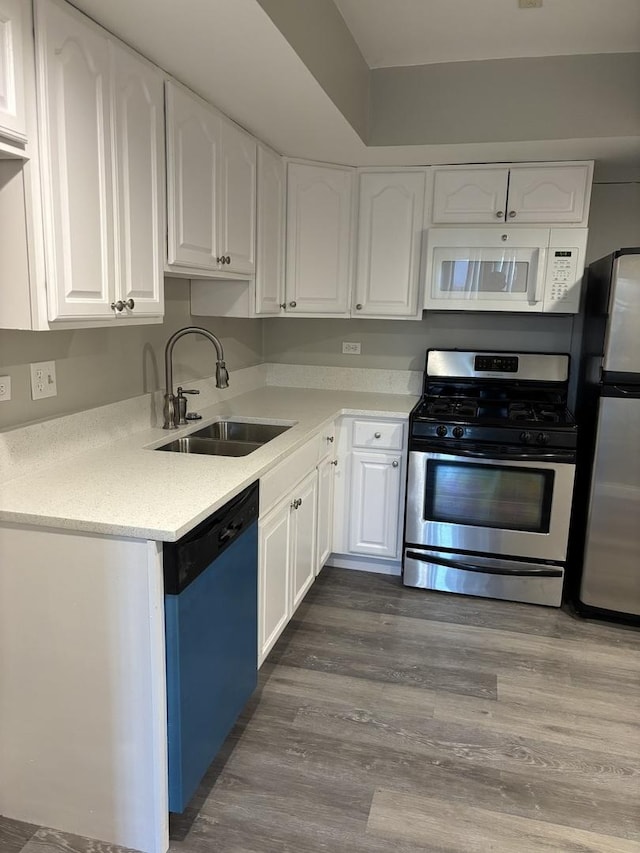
column 211, row 627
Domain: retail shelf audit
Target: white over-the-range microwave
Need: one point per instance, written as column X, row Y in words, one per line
column 537, row 270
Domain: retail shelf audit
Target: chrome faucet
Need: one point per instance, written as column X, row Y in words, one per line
column 222, row 375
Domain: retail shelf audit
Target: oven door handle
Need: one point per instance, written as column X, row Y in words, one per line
column 534, row 571
column 505, row 457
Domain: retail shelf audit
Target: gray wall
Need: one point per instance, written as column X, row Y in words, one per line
column 316, row 30
column 98, row 366
column 552, row 97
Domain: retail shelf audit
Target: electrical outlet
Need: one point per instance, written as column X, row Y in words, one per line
column 43, row 380
column 350, row 348
column 5, row 388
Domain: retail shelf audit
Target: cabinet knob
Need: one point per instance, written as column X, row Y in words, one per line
column 283, row 305
column 221, row 260
column 499, row 214
column 296, row 503
column 377, row 435
column 292, row 304
column 334, row 462
column 359, row 307
column 227, row 260
column 395, row 463
column 130, row 304
column 118, row 306
column 512, row 214
column 330, row 439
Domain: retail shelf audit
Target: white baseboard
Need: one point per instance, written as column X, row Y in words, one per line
column 365, row 564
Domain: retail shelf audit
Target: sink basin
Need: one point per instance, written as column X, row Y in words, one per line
column 240, row 431
column 226, row 438
column 210, row 446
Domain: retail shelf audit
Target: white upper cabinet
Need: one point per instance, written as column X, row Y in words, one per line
column 12, row 105
column 390, row 228
column 211, row 190
column 319, row 238
column 100, row 114
column 270, row 240
column 237, row 199
column 139, row 136
column 540, row 193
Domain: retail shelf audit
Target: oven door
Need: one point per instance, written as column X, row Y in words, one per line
column 465, row 502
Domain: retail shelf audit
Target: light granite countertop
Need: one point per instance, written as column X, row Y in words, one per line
column 125, row 489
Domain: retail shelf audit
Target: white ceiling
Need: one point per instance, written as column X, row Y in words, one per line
column 418, row 32
column 231, row 53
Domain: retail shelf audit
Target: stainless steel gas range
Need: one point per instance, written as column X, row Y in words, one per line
column 490, row 478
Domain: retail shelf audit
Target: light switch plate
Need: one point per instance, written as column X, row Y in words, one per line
column 43, row 380
column 5, row 388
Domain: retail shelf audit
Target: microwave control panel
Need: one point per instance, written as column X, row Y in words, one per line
column 562, row 289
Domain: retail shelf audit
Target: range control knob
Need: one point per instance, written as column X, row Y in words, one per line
column 441, row 431
column 542, row 438
column 526, row 437
column 458, row 432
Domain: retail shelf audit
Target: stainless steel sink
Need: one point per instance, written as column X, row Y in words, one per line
column 240, row 431
column 226, row 438
column 210, row 446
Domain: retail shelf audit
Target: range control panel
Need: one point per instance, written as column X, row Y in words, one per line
column 500, row 363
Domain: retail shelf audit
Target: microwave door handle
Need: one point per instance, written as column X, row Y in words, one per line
column 533, row 571
column 536, row 287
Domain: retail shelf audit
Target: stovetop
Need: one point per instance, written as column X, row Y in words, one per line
column 491, row 402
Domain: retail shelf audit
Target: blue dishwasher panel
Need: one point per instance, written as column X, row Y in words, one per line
column 212, row 642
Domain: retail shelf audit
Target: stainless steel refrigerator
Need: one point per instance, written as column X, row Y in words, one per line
column 606, row 523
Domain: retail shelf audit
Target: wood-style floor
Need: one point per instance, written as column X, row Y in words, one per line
column 392, row 720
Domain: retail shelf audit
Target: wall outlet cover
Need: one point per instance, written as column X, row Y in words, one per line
column 43, row 380
column 350, row 348
column 5, row 388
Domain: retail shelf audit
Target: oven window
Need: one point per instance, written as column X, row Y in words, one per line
column 496, row 276
column 508, row 498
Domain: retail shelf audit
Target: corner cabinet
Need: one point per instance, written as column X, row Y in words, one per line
column 320, row 220
column 102, row 159
column 211, row 190
column 520, row 193
column 12, row 104
column 390, row 229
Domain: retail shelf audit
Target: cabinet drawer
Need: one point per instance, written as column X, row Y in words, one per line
column 276, row 484
column 376, row 435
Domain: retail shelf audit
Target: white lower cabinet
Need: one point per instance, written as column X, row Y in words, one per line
column 326, row 484
column 369, row 496
column 287, row 559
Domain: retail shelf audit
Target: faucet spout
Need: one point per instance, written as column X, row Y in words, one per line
column 222, row 374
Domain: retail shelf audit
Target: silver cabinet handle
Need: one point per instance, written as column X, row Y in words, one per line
column 283, row 304
column 499, row 214
column 118, row 306
column 377, row 435
column 297, row 503
column 330, row 439
column 334, row 462
column 359, row 307
column 130, row 304
column 512, row 214
column 395, row 463
column 292, row 304
column 221, row 260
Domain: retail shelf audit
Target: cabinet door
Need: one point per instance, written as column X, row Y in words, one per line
column 193, row 139
column 548, row 193
column 12, row 113
column 74, row 118
column 274, row 560
column 374, row 504
column 470, row 195
column 391, row 209
column 139, row 164
column 270, row 240
column 237, row 199
column 304, row 550
column 326, row 480
column 319, row 226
